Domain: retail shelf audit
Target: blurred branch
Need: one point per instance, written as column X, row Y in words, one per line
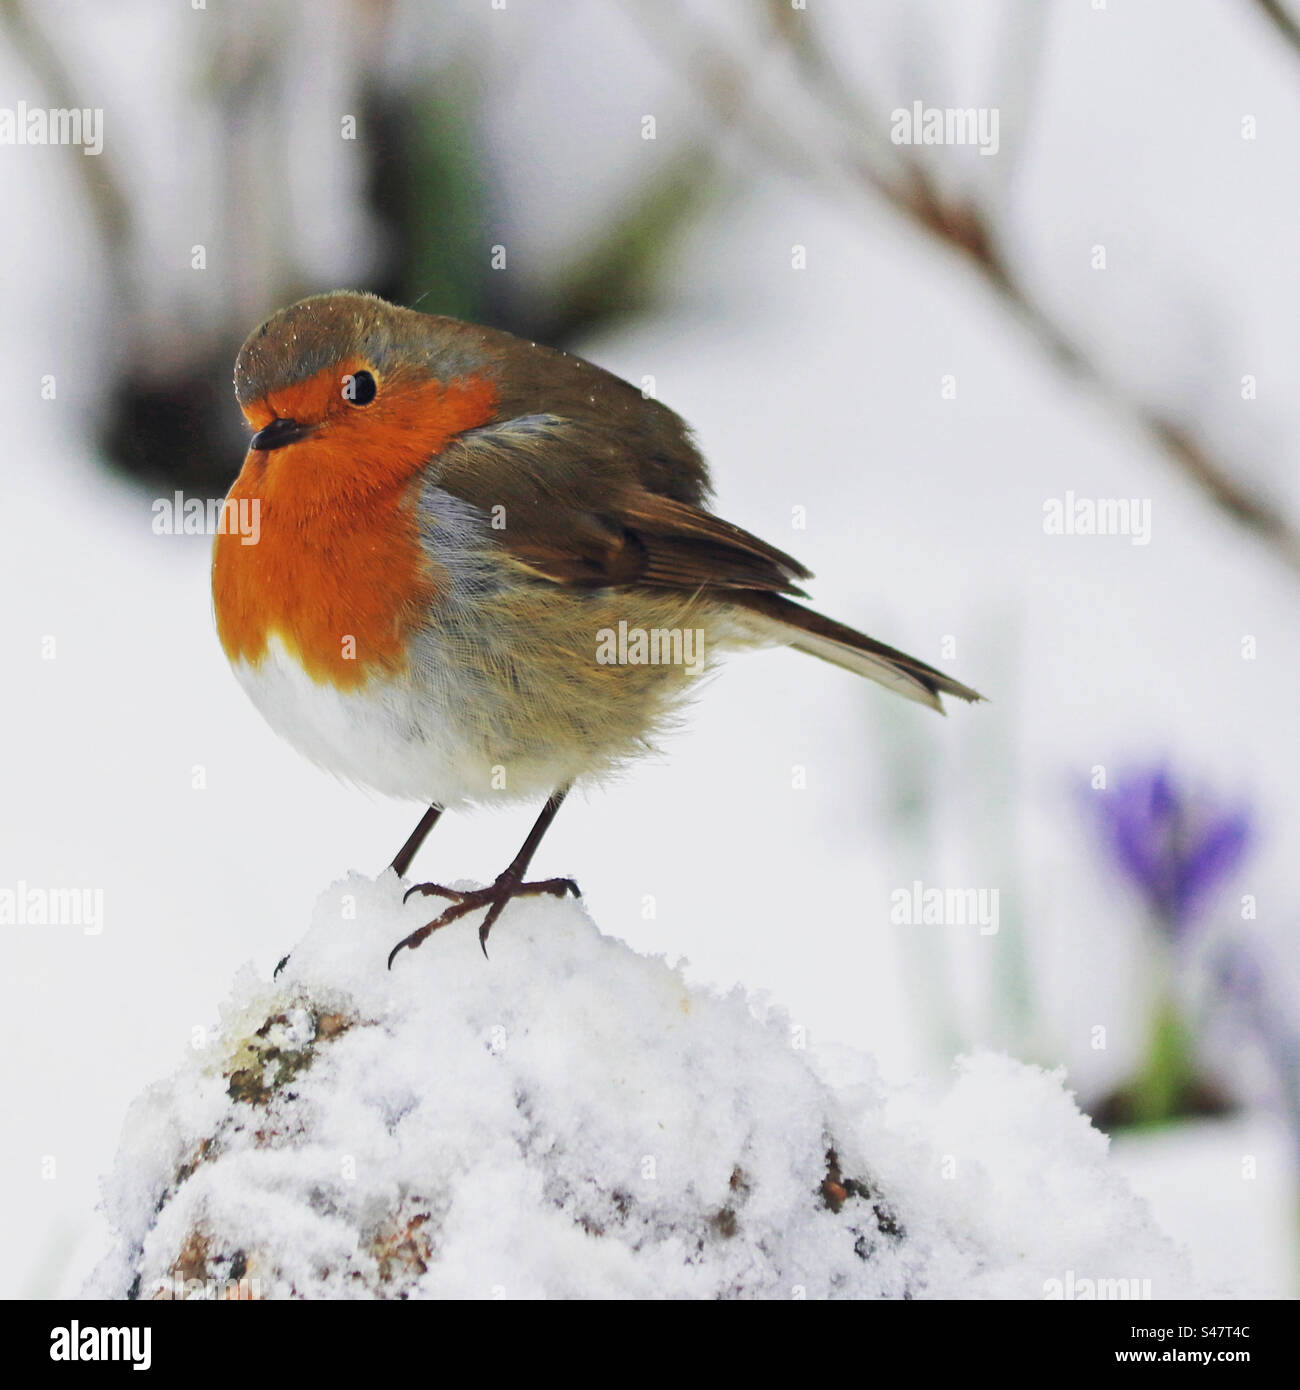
column 958, row 221
column 112, row 212
column 1283, row 21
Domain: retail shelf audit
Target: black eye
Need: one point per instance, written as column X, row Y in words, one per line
column 359, row 388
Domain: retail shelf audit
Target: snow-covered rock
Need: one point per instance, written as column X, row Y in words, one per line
column 570, row 1119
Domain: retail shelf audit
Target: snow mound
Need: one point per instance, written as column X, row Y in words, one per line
column 570, row 1119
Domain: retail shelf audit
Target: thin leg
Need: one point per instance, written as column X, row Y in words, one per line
column 519, row 864
column 402, row 859
column 509, row 884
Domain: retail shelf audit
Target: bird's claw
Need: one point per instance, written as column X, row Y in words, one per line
column 494, row 897
column 430, row 890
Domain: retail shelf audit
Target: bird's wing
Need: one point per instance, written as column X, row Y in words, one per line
column 574, row 502
column 584, row 511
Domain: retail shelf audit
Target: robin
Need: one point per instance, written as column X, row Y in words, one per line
column 484, row 568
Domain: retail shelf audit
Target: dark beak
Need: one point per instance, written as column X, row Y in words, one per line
column 279, row 433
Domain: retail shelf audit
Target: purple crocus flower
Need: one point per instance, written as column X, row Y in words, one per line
column 1174, row 845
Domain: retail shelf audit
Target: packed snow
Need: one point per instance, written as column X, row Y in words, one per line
column 572, row 1119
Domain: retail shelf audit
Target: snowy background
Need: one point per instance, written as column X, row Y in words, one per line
column 764, row 850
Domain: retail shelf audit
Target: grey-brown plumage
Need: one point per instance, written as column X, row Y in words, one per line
column 604, row 487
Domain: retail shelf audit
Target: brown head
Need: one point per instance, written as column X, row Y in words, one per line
column 379, row 390
column 356, row 393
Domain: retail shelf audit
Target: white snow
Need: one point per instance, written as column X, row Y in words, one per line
column 572, row 1119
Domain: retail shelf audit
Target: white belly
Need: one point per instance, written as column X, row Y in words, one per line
column 399, row 740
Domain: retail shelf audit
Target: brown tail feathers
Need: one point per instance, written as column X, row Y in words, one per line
column 810, row 632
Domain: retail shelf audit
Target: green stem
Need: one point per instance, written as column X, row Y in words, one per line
column 1168, row 1074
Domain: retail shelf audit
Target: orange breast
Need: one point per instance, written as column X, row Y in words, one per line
column 338, row 572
